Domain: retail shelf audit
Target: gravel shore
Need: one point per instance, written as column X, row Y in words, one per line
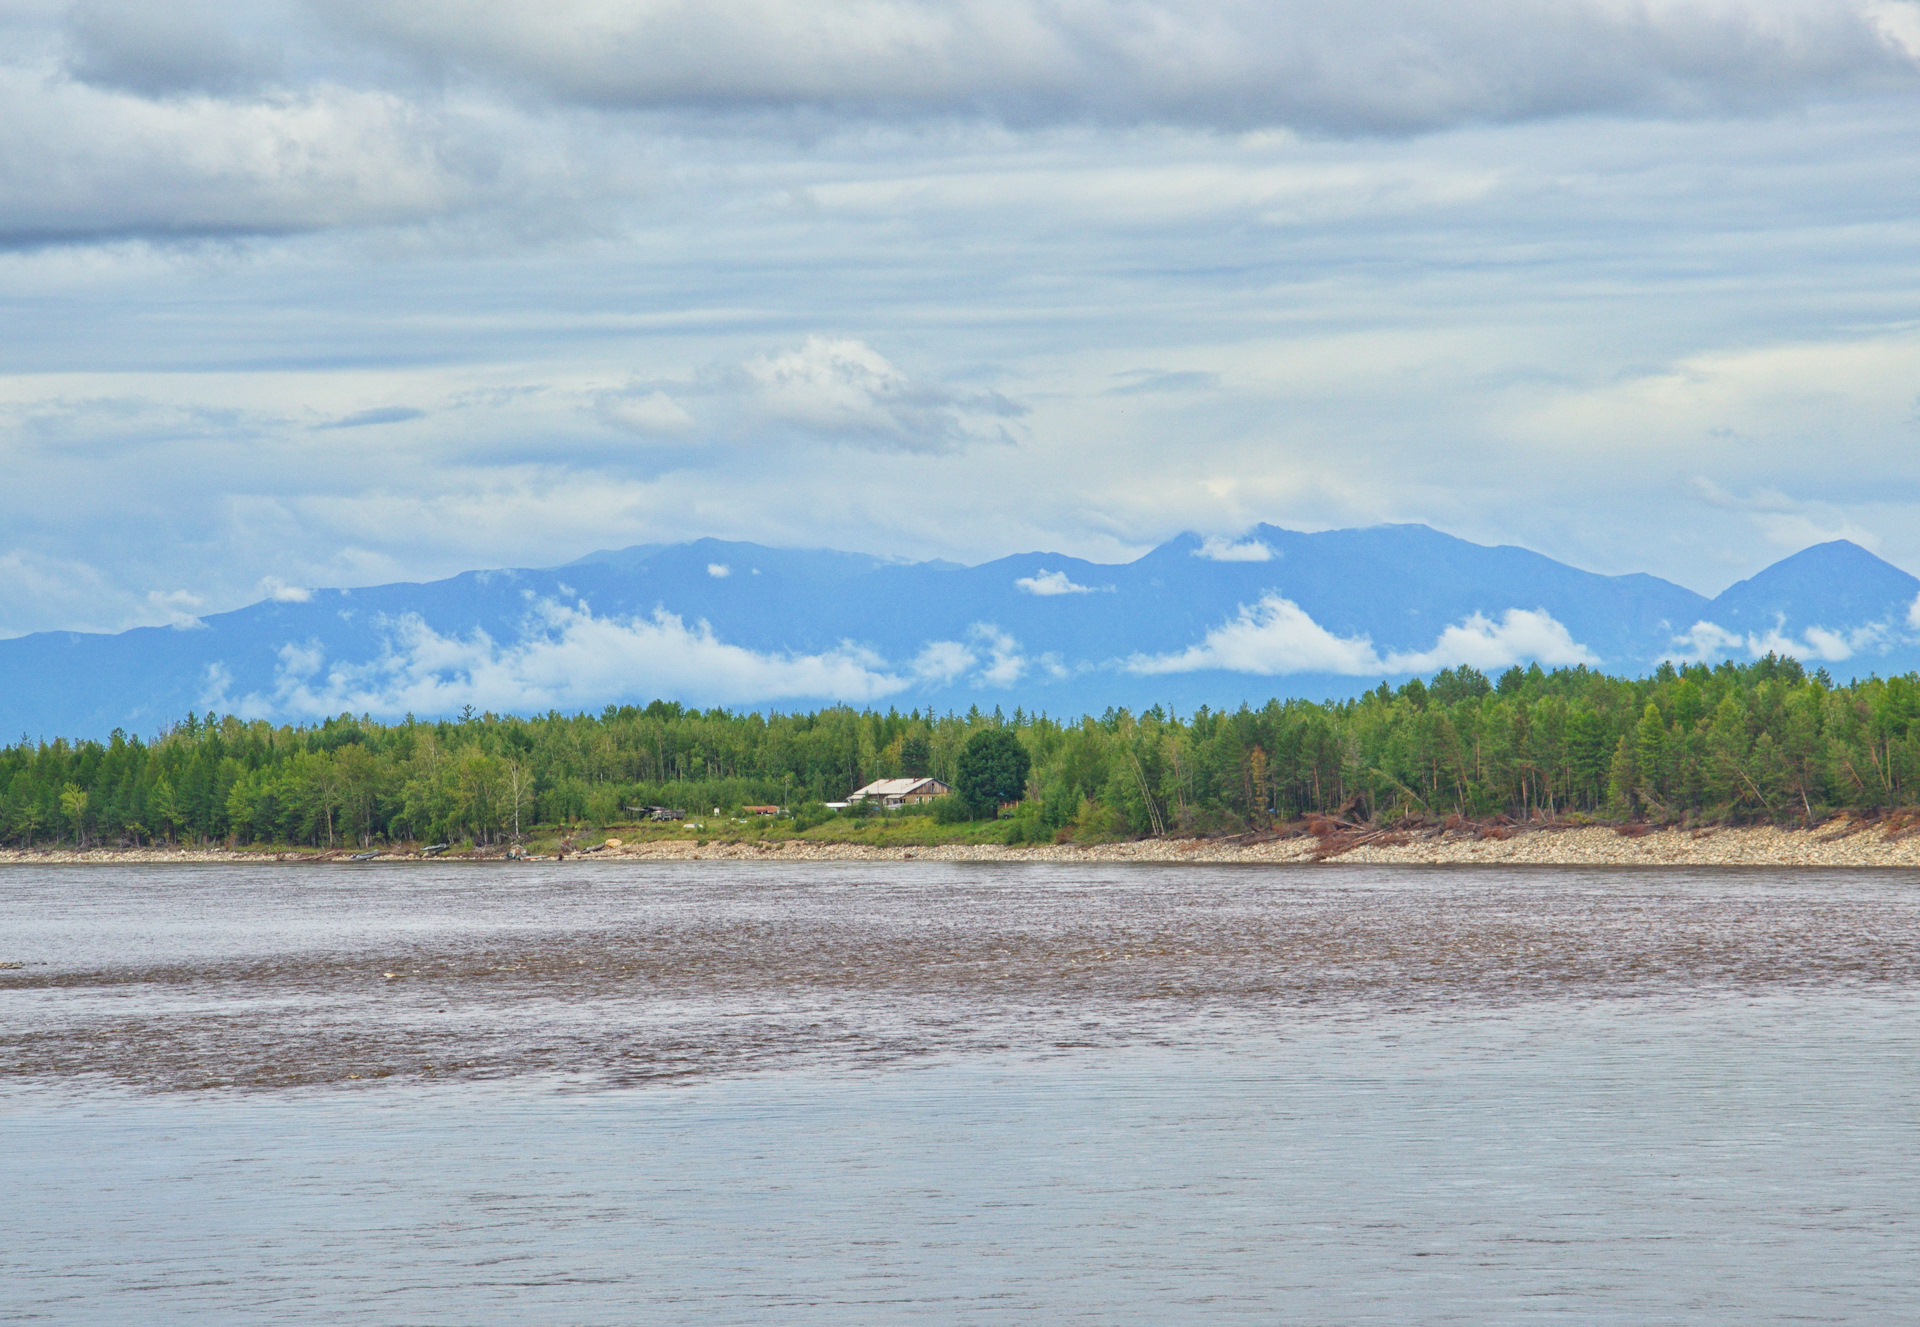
column 1839, row 843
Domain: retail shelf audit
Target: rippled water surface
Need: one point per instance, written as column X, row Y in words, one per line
column 927, row 1093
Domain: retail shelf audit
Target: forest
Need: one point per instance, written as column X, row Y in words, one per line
column 1763, row 741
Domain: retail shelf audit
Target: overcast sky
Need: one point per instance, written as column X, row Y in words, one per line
column 334, row 292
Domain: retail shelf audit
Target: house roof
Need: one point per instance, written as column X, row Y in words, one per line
column 894, row 787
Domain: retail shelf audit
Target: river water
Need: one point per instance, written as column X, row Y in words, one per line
column 915, row 1092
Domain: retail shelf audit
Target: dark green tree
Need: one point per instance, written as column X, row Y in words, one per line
column 992, row 768
column 916, row 757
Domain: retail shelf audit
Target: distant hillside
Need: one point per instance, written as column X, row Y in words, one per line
column 1195, row 621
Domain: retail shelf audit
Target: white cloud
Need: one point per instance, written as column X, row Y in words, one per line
column 1913, row 613
column 1277, row 636
column 1217, row 549
column 179, row 609
column 214, row 692
column 1704, row 642
column 1836, row 645
column 942, row 661
column 1005, row 663
column 282, row 593
column 994, row 658
column 843, row 390
column 1820, row 643
column 1273, row 636
column 1521, row 635
column 719, row 570
column 300, row 661
column 1898, row 22
column 1048, row 583
column 653, row 413
column 1708, row 642
column 571, row 659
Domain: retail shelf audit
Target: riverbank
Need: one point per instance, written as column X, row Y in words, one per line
column 1837, row 843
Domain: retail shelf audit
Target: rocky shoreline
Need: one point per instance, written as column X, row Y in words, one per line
column 1842, row 843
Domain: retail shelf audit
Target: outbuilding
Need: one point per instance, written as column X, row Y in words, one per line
column 901, row 792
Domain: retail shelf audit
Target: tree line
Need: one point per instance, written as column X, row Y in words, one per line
column 1758, row 741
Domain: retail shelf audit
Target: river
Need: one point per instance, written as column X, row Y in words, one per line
column 995, row 1093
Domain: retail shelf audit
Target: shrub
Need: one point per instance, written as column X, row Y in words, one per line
column 1028, row 824
column 1097, row 823
column 809, row 814
column 950, row 810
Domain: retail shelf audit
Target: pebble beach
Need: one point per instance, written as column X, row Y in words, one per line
column 1835, row 844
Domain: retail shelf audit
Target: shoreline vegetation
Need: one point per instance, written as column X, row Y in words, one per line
column 1761, row 763
column 1845, row 841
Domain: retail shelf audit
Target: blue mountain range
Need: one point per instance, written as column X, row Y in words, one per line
column 1196, row 621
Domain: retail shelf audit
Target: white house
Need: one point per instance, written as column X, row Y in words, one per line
column 901, row 792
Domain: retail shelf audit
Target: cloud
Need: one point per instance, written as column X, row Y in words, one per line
column 196, row 118
column 1521, row 635
column 570, row 659
column 1369, row 66
column 1048, row 583
column 1274, row 636
column 179, row 609
column 654, row 413
column 1788, row 522
column 1708, row 642
column 1814, row 643
column 1056, row 260
column 1277, row 636
column 79, row 162
column 1218, row 549
column 719, row 570
column 183, row 46
column 1913, row 613
column 282, row 593
column 1146, row 382
column 825, row 390
column 1005, row 663
column 33, row 586
column 839, row 389
column 943, row 660
column 392, row 414
column 1704, row 641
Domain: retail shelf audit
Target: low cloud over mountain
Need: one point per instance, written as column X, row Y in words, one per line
column 740, row 625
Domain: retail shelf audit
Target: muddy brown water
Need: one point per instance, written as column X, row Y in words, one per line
column 252, row 977
column 891, row 1092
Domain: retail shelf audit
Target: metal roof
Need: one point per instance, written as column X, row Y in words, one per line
column 894, row 787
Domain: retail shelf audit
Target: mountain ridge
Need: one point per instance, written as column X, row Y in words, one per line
column 1196, row 620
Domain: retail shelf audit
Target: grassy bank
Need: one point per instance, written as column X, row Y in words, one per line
column 890, row 831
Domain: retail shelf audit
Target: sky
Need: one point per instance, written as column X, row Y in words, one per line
column 333, row 292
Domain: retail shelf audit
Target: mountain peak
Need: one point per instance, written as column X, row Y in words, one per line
column 1201, row 619
column 1826, row 585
